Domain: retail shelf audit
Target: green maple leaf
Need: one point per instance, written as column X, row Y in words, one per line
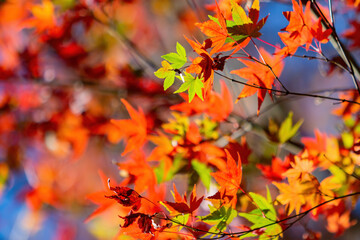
column 287, row 130
column 174, row 61
column 219, row 218
column 178, row 59
column 193, row 85
column 166, row 72
column 263, row 215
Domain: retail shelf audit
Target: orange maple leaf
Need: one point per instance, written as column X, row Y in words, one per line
column 216, row 32
column 230, row 178
column 134, row 130
column 217, row 106
column 224, row 6
column 71, row 130
column 338, row 222
column 300, row 23
column 302, row 29
column 99, row 198
column 259, row 75
column 138, row 172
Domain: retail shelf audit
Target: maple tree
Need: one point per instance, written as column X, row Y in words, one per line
column 227, row 136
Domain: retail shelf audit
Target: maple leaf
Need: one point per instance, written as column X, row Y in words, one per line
column 230, row 178
column 178, row 59
column 166, row 72
column 181, row 204
column 286, row 130
column 139, row 172
column 346, row 108
column 193, row 86
column 259, row 75
column 263, row 215
column 244, row 26
column 303, row 187
column 302, row 29
column 300, row 169
column 275, row 170
column 225, row 7
column 143, row 226
column 319, row 34
column 217, row 106
column 125, row 196
column 99, row 198
column 216, row 31
column 44, row 17
column 300, row 23
column 291, row 194
column 203, row 65
column 138, row 226
column 220, row 218
column 239, row 147
column 219, row 199
column 144, row 221
column 134, row 130
column 317, row 145
column 338, row 222
column 353, row 34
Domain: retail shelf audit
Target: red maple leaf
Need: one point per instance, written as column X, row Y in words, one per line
column 274, row 171
column 353, row 34
column 125, row 196
column 181, row 205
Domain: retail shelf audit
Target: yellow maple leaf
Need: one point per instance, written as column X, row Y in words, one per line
column 298, row 193
column 301, row 169
column 43, row 16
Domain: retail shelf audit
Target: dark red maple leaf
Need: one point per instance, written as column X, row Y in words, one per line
column 144, row 221
column 125, row 196
column 180, row 205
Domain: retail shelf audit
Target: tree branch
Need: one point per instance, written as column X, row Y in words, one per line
column 354, row 68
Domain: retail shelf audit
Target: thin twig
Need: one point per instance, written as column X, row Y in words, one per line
column 268, row 66
column 324, row 58
column 292, row 98
column 299, row 216
column 335, row 40
column 281, row 92
column 331, row 13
